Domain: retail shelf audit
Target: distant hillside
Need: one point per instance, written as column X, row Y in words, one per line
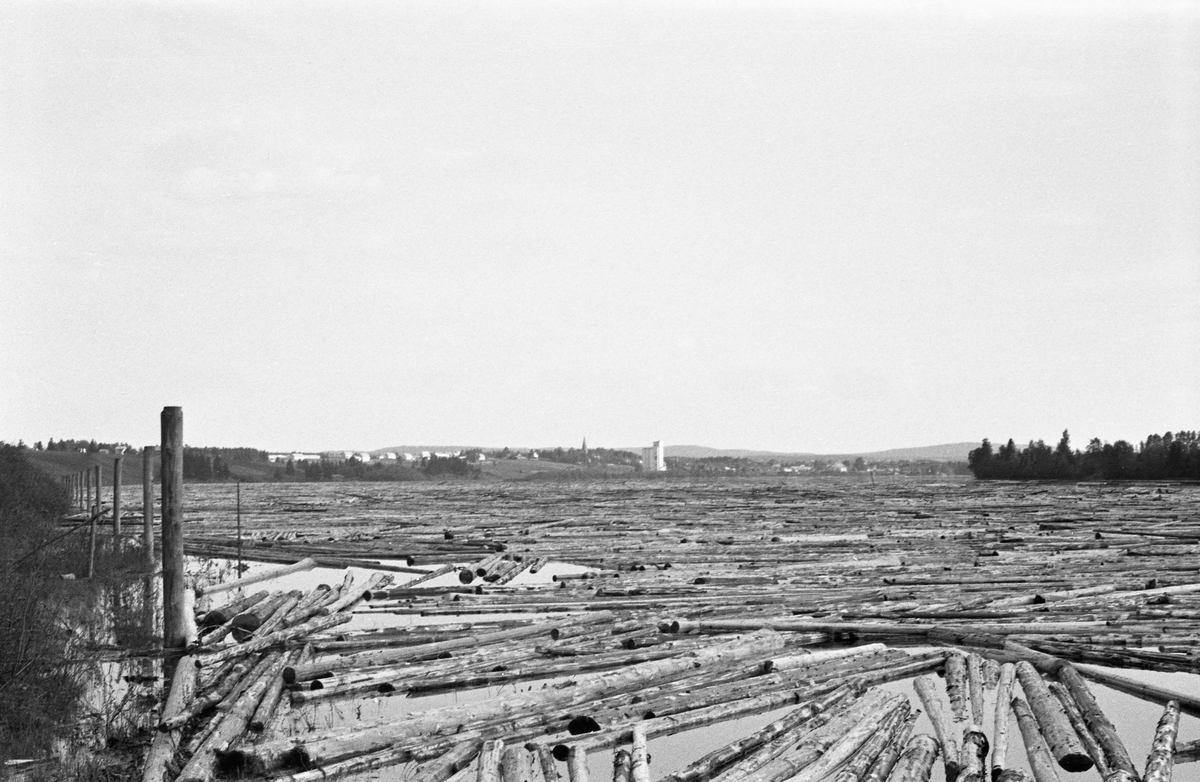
column 950, row 452
column 417, row 449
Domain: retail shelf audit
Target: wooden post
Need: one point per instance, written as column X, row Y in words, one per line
column 117, row 503
column 87, row 481
column 99, row 502
column 174, row 606
column 148, row 506
column 239, row 528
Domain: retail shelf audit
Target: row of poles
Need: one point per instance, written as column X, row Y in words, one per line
column 80, row 487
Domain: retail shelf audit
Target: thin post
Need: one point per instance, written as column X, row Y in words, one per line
column 174, row 607
column 87, row 480
column 239, row 527
column 148, row 507
column 117, row 503
column 99, row 502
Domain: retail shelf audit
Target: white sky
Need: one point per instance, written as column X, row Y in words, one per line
column 820, row 227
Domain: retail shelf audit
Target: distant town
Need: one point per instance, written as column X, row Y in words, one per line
column 403, row 463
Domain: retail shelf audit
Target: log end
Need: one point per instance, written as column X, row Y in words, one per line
column 1076, row 761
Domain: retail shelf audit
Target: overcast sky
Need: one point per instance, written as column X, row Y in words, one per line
column 822, row 227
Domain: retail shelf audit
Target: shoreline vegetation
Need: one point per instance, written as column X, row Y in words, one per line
column 1166, row 457
column 49, row 624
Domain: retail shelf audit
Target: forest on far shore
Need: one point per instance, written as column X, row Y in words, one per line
column 1171, row 457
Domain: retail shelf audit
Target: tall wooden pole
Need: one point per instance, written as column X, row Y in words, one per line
column 87, row 482
column 117, row 503
column 96, row 482
column 239, row 528
column 148, row 506
column 174, row 607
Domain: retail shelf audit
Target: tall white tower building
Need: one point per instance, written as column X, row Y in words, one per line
column 653, row 459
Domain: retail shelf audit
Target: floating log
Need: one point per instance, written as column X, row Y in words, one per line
column 930, row 694
column 864, row 757
column 975, row 689
column 266, row 642
column 1041, row 762
column 490, row 756
column 307, row 563
column 515, row 765
column 1052, row 721
column 1188, row 704
column 1000, row 722
column 956, row 686
column 639, row 758
column 881, row 769
column 973, row 757
column 916, row 761
column 1090, row 745
column 219, row 616
column 163, row 745
column 229, row 728
column 621, row 765
column 577, row 764
column 1160, row 763
column 718, row 759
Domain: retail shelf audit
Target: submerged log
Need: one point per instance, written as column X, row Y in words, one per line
column 1052, row 721
column 1161, row 761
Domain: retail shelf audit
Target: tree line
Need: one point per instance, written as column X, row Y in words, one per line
column 1170, row 456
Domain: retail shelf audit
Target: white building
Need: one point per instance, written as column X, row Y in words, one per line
column 653, row 459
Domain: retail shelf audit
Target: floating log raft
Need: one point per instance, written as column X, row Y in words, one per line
column 1030, row 584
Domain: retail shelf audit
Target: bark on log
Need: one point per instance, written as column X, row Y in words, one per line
column 930, row 694
column 881, row 769
column 1098, row 723
column 1041, row 762
column 1052, row 721
column 621, row 765
column 956, row 686
column 258, row 578
column 864, row 758
column 163, row 745
column 515, row 765
column 577, row 769
column 1000, row 722
column 489, row 761
column 916, row 761
column 639, row 757
column 718, row 759
column 975, row 689
column 1188, row 703
column 1071, row 709
column 1161, row 761
column 973, row 758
